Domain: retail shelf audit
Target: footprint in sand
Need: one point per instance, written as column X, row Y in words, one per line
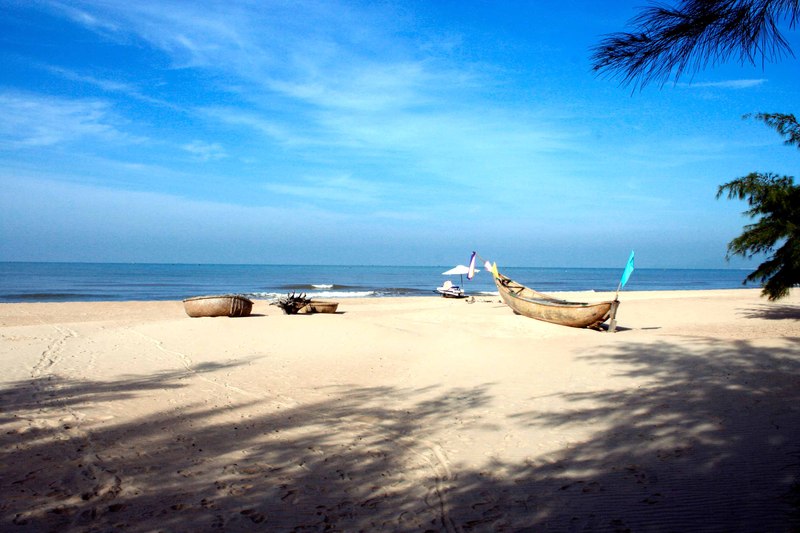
column 254, row 516
column 207, row 504
column 642, row 476
column 290, row 497
column 653, row 498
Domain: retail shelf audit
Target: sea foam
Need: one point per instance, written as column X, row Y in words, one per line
column 315, row 294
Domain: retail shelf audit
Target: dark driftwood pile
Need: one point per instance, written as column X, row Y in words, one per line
column 292, row 303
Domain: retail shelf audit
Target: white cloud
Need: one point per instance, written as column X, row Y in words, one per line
column 350, row 100
column 205, row 151
column 304, row 81
column 192, row 34
column 362, row 86
column 293, row 50
column 107, row 85
column 725, row 84
column 31, row 120
column 336, row 189
column 258, row 122
column 85, row 18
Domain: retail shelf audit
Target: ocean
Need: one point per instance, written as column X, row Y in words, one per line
column 74, row 282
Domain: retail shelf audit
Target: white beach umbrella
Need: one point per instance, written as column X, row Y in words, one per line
column 460, row 270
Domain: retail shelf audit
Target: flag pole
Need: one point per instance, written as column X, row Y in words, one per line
column 625, row 275
column 612, row 324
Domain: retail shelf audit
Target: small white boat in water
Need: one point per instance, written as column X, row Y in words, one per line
column 448, row 290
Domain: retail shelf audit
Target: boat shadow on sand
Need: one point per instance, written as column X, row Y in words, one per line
column 706, row 441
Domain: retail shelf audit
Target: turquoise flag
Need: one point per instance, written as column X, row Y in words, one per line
column 627, row 272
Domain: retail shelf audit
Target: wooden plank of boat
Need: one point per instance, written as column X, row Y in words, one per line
column 218, row 305
column 528, row 302
column 320, row 306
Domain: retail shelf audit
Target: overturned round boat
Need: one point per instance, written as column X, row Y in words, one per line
column 219, row 305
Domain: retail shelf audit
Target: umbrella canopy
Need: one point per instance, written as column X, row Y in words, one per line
column 458, row 269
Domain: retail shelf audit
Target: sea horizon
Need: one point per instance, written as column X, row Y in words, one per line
column 337, row 264
column 58, row 281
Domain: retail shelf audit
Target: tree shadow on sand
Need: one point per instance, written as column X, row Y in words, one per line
column 342, row 463
column 707, row 442
column 774, row 312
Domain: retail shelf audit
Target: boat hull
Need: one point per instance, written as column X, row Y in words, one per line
column 527, row 302
column 451, row 293
column 320, row 306
column 231, row 305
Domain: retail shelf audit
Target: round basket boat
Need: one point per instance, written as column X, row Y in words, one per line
column 321, row 306
column 219, row 305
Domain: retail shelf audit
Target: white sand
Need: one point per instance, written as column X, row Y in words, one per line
column 402, row 414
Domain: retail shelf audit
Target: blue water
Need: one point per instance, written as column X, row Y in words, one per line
column 72, row 282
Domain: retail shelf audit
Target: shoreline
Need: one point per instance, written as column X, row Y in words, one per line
column 402, row 413
column 605, row 294
column 101, row 310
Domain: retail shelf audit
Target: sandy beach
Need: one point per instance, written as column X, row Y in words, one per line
column 404, row 414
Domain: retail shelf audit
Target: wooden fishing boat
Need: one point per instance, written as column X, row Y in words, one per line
column 219, row 305
column 528, row 302
column 320, row 306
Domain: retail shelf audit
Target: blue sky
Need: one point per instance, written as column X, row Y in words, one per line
column 365, row 133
